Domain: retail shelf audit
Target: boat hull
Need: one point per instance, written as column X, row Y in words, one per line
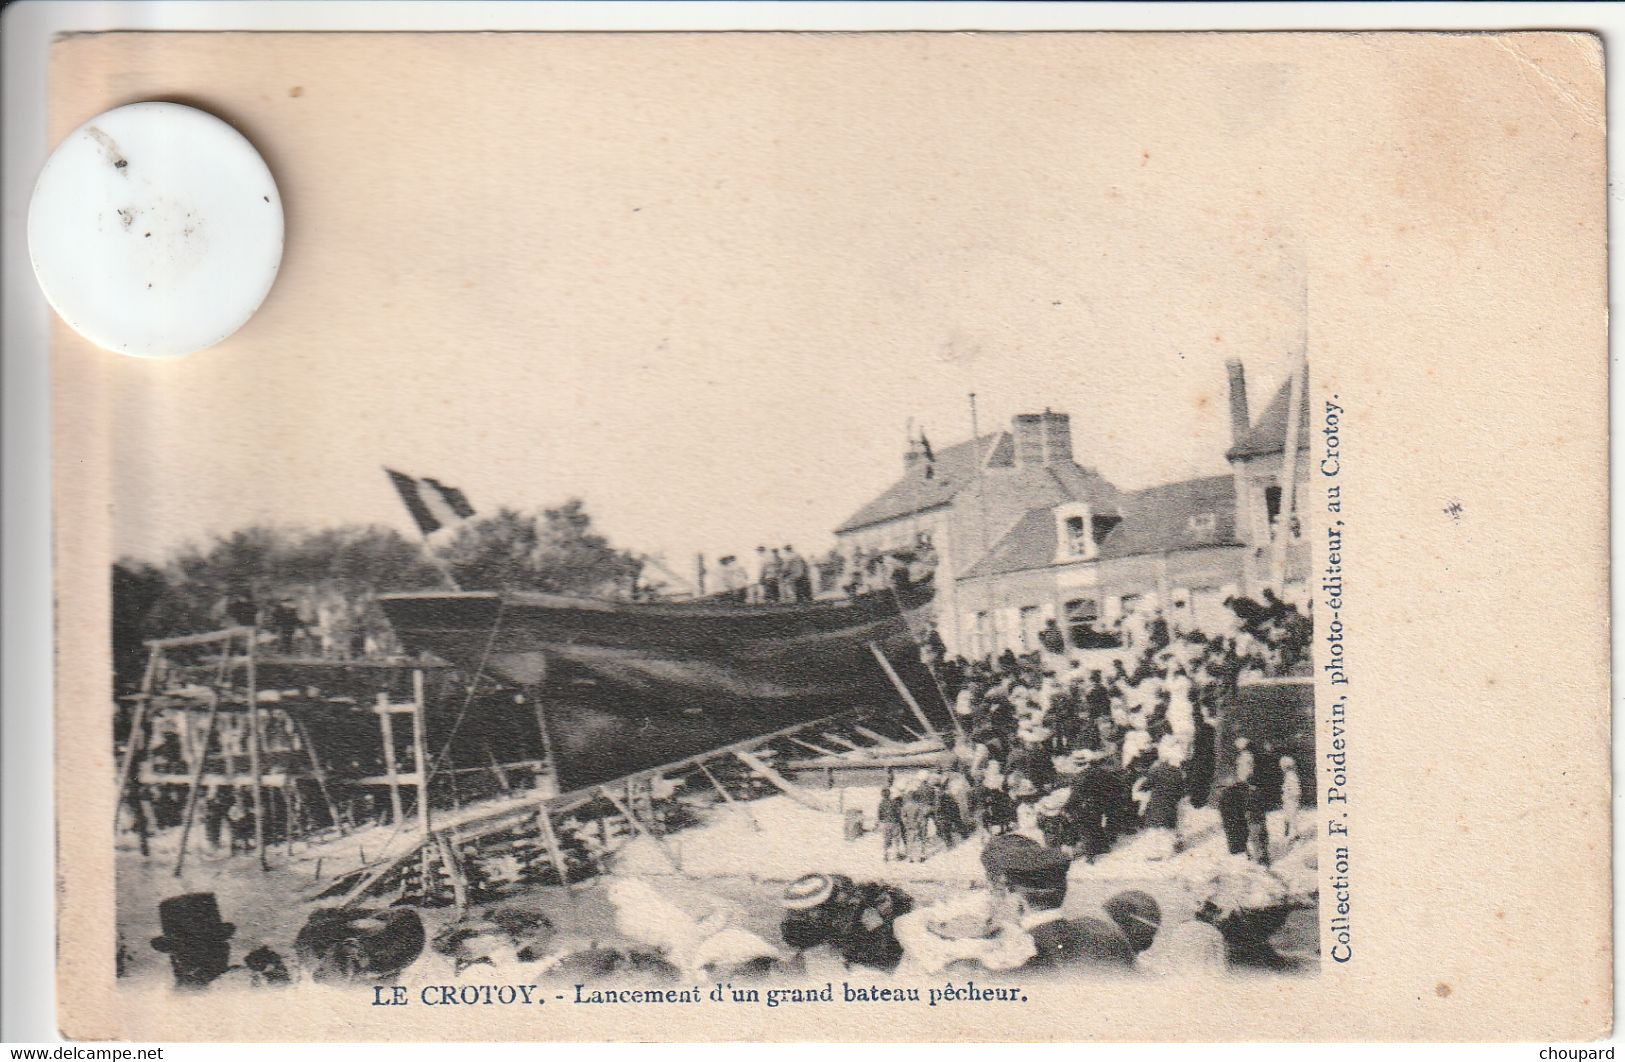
column 626, row 687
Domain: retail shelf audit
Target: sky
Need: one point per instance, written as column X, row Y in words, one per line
column 705, row 284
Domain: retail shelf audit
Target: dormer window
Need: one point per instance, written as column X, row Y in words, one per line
column 1203, row 523
column 1077, row 536
column 1074, row 532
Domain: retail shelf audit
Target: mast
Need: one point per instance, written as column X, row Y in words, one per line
column 981, row 515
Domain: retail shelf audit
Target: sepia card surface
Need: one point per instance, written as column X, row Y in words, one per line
column 905, row 536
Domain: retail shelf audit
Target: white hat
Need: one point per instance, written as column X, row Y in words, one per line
column 1054, row 803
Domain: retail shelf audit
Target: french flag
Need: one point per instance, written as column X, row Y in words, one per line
column 433, row 505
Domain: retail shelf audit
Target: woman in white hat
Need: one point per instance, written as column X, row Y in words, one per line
column 1053, row 820
column 1291, row 797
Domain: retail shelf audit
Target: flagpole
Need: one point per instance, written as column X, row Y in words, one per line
column 981, row 510
column 444, row 568
column 420, row 514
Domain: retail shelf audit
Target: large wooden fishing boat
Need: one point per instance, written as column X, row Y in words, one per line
column 626, row 686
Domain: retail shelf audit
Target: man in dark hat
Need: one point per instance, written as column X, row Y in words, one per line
column 1036, row 876
column 796, row 577
column 1235, row 798
column 1098, row 698
column 772, row 575
column 855, row 918
column 1137, row 916
column 197, row 942
column 1051, row 637
column 286, row 623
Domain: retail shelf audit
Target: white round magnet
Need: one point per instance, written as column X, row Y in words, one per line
column 155, row 230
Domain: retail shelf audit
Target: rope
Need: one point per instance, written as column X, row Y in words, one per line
column 496, row 625
column 473, row 686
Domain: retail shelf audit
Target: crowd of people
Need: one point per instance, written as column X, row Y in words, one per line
column 784, row 576
column 774, row 576
column 1058, row 761
column 1087, row 758
column 829, row 926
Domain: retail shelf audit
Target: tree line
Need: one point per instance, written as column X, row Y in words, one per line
column 332, row 577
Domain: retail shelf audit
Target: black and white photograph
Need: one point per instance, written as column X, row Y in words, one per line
column 766, row 535
column 754, row 666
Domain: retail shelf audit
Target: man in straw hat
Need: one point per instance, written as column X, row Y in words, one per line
column 854, row 918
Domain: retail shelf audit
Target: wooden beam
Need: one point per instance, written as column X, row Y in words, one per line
column 728, row 798
column 137, row 722
column 388, row 731
column 270, row 780
column 836, row 739
column 496, row 768
column 544, row 819
column 902, row 690
column 420, row 754
column 254, row 751
column 399, row 778
column 552, row 775
column 227, row 635
column 191, row 792
column 514, row 814
column 454, row 872
column 810, row 747
column 633, row 820
column 783, row 784
column 876, row 736
column 321, row 775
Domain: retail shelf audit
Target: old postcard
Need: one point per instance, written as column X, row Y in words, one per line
column 908, row 536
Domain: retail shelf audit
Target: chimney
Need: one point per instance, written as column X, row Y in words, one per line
column 1028, row 431
column 1239, row 421
column 1042, row 439
column 913, row 457
column 1057, row 438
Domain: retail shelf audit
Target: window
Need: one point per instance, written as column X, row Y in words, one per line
column 1074, row 532
column 1080, row 615
column 1077, row 544
column 1272, row 505
column 984, row 634
column 1029, row 628
column 1082, row 610
column 1203, row 522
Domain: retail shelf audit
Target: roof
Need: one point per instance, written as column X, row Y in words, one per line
column 1155, row 520
column 915, row 493
column 1030, row 544
column 1158, row 519
column 1267, row 435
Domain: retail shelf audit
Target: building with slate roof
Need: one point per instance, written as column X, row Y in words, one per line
column 1258, row 462
column 1024, row 533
